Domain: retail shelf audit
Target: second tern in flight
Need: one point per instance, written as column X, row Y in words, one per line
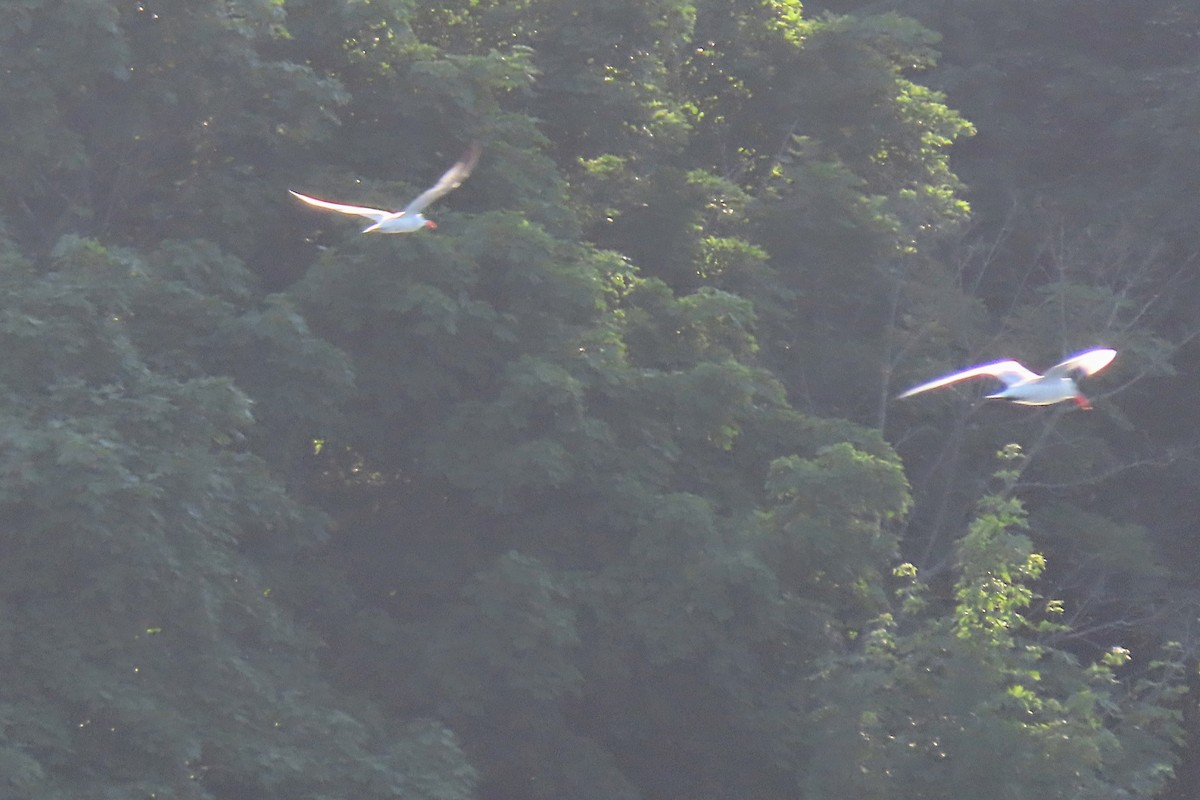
column 1028, row 388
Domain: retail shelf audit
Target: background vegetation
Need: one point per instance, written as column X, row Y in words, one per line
column 598, row 491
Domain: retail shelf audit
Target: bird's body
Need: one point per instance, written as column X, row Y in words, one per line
column 410, row 218
column 1026, row 387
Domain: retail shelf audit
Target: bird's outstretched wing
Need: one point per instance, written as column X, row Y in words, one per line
column 1008, row 371
column 1088, row 362
column 375, row 214
column 448, row 182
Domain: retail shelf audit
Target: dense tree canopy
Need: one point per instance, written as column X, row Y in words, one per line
column 599, row 490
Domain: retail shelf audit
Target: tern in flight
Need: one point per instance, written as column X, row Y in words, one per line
column 408, row 219
column 1028, row 388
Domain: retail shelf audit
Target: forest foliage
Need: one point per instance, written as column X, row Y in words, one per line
column 599, row 490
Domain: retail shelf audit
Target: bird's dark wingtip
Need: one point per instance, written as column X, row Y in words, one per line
column 471, row 157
